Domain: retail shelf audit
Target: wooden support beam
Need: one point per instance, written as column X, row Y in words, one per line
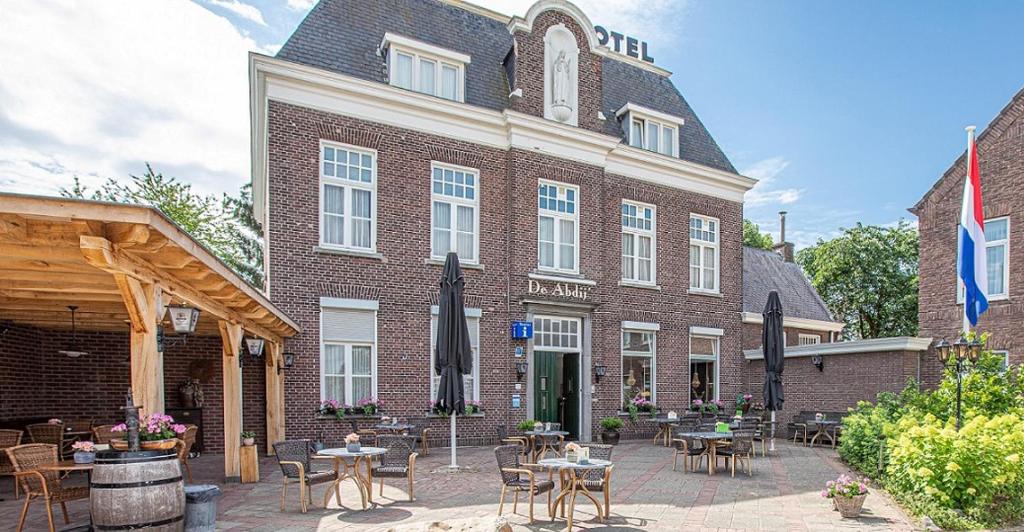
column 147, row 364
column 231, row 338
column 144, row 319
column 275, row 396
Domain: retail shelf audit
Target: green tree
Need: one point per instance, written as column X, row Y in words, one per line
column 868, row 278
column 753, row 237
column 225, row 226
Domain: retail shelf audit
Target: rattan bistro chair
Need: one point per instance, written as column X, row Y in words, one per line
column 600, row 480
column 295, row 457
column 421, row 431
column 741, row 449
column 8, row 439
column 52, row 434
column 512, row 473
column 27, row 459
column 184, row 447
column 398, row 461
column 505, row 439
column 692, row 450
column 102, row 433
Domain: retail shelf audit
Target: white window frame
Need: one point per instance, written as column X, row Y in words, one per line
column 1006, row 357
column 638, row 114
column 716, row 358
column 421, row 51
column 539, row 333
column 1005, row 242
column 702, row 244
column 473, row 317
column 808, row 339
column 653, row 356
column 347, row 185
column 636, row 234
column 454, row 202
column 556, row 233
column 348, row 399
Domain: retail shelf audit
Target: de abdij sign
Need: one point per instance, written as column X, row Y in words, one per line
column 623, row 44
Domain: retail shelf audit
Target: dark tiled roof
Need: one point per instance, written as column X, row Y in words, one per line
column 343, row 36
column 764, row 271
column 624, row 83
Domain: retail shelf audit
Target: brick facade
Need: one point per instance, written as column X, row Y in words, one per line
column 40, row 383
column 752, row 335
column 1001, row 157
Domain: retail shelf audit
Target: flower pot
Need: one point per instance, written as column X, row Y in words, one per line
column 745, row 407
column 82, row 457
column 850, row 506
column 248, row 442
column 353, row 447
column 146, row 445
column 610, row 437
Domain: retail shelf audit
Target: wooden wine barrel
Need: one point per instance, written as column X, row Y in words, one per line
column 137, row 490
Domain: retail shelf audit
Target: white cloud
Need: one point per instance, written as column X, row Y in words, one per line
column 95, row 89
column 246, row 11
column 764, row 193
column 300, row 5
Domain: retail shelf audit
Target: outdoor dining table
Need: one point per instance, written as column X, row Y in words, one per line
column 711, row 438
column 665, row 425
column 397, row 428
column 547, row 438
column 822, row 429
column 574, row 475
column 365, row 455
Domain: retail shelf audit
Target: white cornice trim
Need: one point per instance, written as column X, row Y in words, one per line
column 332, row 92
column 797, row 323
column 346, row 303
column 873, row 345
column 641, row 326
column 479, row 10
column 649, row 113
column 706, row 331
column 525, row 24
column 419, row 46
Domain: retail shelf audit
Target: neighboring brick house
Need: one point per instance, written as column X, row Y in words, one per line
column 1001, row 157
column 579, row 188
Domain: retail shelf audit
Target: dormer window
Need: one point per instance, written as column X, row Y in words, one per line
column 422, row 67
column 651, row 130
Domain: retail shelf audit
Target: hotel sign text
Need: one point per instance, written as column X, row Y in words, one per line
column 623, row 44
column 559, row 289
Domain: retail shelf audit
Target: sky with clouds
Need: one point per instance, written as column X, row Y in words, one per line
column 846, row 112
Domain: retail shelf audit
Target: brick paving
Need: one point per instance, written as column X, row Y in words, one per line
column 782, row 494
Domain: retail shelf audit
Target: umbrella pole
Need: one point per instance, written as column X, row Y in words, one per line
column 454, row 464
column 772, row 448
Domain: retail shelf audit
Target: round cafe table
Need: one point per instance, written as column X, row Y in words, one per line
column 823, row 429
column 573, row 475
column 397, row 428
column 711, row 439
column 365, row 455
column 547, row 442
column 664, row 428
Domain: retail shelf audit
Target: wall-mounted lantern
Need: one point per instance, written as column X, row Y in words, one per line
column 289, row 361
column 183, row 318
column 818, row 362
column 520, row 370
column 600, row 370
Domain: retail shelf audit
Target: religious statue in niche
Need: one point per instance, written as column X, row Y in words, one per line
column 560, row 81
column 561, row 75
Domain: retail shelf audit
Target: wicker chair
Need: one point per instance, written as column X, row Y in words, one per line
column 81, row 424
column 421, row 432
column 512, row 472
column 754, row 423
column 741, row 448
column 692, row 450
column 103, row 433
column 8, row 439
column 295, row 457
column 399, row 461
column 367, row 437
column 27, row 459
column 188, row 439
column 51, row 434
column 598, row 480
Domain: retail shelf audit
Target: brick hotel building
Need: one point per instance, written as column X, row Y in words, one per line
column 578, row 187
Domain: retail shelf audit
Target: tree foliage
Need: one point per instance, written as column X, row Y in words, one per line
column 226, row 226
column 753, row 237
column 868, row 278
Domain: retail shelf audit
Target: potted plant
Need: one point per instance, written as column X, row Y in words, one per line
column 572, row 453
column 157, row 432
column 526, row 425
column 472, row 407
column 248, row 438
column 369, row 406
column 847, row 494
column 610, row 427
column 352, row 443
column 744, row 401
column 85, row 452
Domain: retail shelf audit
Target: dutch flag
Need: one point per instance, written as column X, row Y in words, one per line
column 971, row 263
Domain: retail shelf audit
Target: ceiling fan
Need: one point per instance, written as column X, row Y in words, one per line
column 73, row 350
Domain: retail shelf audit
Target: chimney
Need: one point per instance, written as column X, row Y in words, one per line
column 784, row 248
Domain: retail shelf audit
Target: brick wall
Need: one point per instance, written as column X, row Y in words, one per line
column 1001, row 157
column 39, row 382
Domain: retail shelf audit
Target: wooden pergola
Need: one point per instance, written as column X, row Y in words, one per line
column 124, row 264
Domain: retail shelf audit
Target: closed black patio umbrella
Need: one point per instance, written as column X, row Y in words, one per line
column 454, row 356
column 773, row 344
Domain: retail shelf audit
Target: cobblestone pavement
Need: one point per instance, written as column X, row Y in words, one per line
column 782, row 494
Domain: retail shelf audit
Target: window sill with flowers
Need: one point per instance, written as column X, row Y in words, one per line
column 365, row 409
column 473, row 409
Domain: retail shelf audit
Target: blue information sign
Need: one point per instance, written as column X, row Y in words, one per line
column 522, row 330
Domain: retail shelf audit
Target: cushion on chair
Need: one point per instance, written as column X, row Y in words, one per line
column 391, row 471
column 541, row 486
column 318, row 477
column 594, row 485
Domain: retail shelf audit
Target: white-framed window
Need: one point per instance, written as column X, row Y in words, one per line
column 348, row 197
column 1005, row 357
column 558, row 227
column 348, row 354
column 425, row 68
column 809, row 339
column 704, row 368
column 654, row 135
column 704, row 238
column 997, row 258
column 639, row 348
column 639, row 242
column 454, row 212
column 471, row 382
column 552, row 333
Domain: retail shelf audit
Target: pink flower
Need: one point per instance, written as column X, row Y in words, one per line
column 120, row 427
column 178, row 428
column 54, row 421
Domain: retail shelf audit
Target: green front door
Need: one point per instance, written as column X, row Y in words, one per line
column 570, row 395
column 556, row 389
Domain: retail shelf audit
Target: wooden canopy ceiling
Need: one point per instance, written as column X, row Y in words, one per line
column 56, row 252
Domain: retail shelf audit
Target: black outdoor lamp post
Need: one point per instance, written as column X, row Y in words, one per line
column 957, row 355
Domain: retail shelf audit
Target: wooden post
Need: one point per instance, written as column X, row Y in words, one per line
column 231, row 338
column 275, row 396
column 144, row 302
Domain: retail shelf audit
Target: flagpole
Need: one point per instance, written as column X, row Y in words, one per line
column 970, row 150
